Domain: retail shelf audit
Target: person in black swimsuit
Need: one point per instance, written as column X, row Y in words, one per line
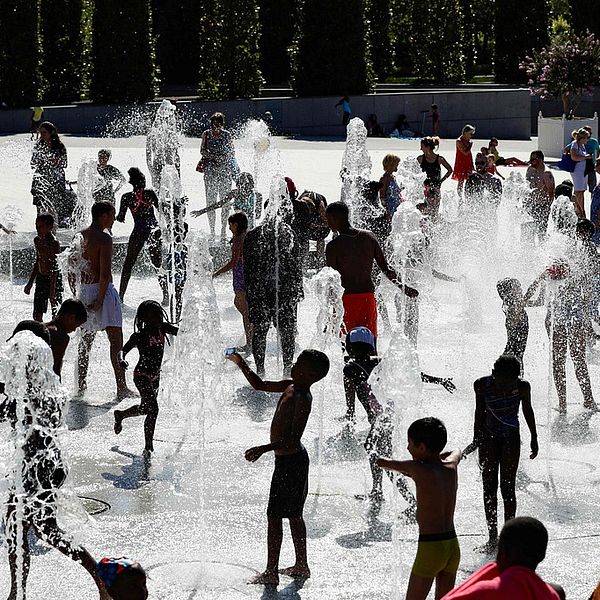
column 142, row 203
column 150, row 330
column 431, row 164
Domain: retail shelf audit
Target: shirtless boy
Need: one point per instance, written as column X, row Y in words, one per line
column 289, row 486
column 436, row 477
column 99, row 295
column 542, row 185
column 352, row 253
column 45, row 272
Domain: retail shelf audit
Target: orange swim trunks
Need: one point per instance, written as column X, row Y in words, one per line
column 360, row 310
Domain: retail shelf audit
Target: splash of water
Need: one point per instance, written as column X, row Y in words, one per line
column 88, row 183
column 163, row 142
column 10, row 217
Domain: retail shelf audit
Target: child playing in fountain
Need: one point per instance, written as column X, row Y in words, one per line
column 435, row 474
column 517, row 322
column 125, row 579
column 150, row 330
column 289, row 486
column 45, row 271
column 361, row 360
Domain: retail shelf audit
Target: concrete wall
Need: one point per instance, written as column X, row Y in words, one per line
column 505, row 113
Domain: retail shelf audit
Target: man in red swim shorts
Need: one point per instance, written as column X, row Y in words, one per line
column 352, row 253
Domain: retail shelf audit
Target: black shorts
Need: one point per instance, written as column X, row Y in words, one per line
column 42, row 292
column 289, row 486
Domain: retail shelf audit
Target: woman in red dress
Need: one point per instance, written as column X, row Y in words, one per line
column 463, row 164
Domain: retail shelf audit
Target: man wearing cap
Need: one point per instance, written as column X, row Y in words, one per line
column 352, row 253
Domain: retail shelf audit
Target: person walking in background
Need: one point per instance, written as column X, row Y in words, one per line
column 109, row 173
column 218, row 160
column 431, row 164
column 346, row 110
column 580, row 155
column 435, row 120
column 463, row 163
column 591, row 147
column 37, row 114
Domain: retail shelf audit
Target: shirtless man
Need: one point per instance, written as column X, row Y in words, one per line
column 289, row 486
column 99, row 295
column 352, row 254
column 435, row 474
column 542, row 185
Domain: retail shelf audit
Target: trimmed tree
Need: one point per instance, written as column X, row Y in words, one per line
column 520, row 28
column 176, row 28
column 401, row 24
column 238, row 49
column 438, row 54
column 381, row 39
column 331, row 53
column 211, row 30
column 19, row 52
column 585, row 15
column 122, row 52
column 62, row 49
column 278, row 20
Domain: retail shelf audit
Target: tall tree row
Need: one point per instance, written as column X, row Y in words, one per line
column 331, row 53
column 586, row 16
column 278, row 22
column 381, row 37
column 19, row 53
column 519, row 27
column 61, row 34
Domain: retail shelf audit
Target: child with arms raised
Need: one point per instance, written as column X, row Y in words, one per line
column 150, row 330
column 435, row 474
column 289, row 486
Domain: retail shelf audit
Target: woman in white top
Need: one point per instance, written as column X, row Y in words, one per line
column 579, row 155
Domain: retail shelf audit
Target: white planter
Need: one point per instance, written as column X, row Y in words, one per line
column 554, row 133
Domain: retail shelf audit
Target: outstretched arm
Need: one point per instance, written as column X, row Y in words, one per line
column 446, row 382
column 257, row 382
column 443, row 277
column 531, row 290
column 389, row 272
column 478, row 420
column 406, row 467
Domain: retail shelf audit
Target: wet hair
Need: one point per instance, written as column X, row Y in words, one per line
column 240, row 219
column 101, row 208
column 36, row 327
column 55, row 141
column 75, row 307
column 507, row 288
column 523, row 542
column 508, row 366
column 564, row 189
column 245, row 180
column 585, row 228
column 538, row 154
column 430, row 432
column 217, row 118
column 105, row 152
column 318, row 363
column 468, row 129
column 389, row 160
column 136, row 178
column 45, row 218
column 145, row 309
column 338, row 209
column 431, row 141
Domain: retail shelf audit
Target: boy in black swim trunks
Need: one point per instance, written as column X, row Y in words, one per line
column 435, row 474
column 45, row 272
column 289, row 486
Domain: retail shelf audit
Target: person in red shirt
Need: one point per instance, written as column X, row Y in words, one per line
column 521, row 548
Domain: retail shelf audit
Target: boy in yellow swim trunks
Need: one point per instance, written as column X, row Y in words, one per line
column 435, row 474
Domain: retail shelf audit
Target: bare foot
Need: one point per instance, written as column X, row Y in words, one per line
column 488, row 548
column 266, row 578
column 296, row 572
column 118, row 422
column 125, row 393
column 147, row 452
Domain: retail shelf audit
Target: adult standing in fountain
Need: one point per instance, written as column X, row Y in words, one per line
column 99, row 295
column 109, row 173
column 48, row 161
column 541, row 196
column 218, row 165
column 141, row 202
column 463, row 163
column 431, row 164
column 352, row 254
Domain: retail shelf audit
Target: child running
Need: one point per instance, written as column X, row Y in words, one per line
column 496, row 435
column 289, row 486
column 45, row 271
column 436, row 477
column 150, row 330
column 517, row 321
column 238, row 225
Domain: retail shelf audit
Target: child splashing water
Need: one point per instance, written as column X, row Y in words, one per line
column 517, row 321
column 150, row 330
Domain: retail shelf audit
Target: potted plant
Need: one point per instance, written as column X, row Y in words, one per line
column 566, row 69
